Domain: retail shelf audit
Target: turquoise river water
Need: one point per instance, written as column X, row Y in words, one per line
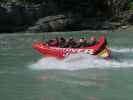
column 27, row 75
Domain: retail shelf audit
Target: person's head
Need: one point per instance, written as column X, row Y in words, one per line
column 93, row 38
column 51, row 40
column 82, row 40
column 71, row 37
column 62, row 39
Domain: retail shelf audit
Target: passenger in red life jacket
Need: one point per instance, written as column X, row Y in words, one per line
column 54, row 42
column 49, row 42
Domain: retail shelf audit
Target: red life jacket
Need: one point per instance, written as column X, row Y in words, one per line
column 54, row 43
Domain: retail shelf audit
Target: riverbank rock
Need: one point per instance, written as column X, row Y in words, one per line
column 62, row 15
column 98, row 24
column 130, row 20
column 52, row 23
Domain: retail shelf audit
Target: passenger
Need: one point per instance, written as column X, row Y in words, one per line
column 81, row 43
column 71, row 43
column 49, row 42
column 53, row 42
column 91, row 41
column 62, row 42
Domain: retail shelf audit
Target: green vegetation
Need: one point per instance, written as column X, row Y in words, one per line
column 131, row 5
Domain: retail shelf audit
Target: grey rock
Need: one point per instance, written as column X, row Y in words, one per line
column 52, row 23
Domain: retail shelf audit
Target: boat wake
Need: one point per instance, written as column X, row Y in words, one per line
column 81, row 61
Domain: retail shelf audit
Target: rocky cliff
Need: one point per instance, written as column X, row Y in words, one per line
column 63, row 15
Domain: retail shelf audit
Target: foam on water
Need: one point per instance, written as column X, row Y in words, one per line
column 79, row 62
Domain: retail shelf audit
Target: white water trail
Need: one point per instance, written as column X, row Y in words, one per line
column 78, row 62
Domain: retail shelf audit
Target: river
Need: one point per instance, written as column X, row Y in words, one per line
column 27, row 75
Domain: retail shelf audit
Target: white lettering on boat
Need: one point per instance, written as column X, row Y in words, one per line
column 73, row 51
column 68, row 51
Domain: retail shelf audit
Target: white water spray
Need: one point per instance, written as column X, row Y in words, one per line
column 79, row 62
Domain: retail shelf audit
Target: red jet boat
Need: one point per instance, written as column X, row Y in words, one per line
column 100, row 49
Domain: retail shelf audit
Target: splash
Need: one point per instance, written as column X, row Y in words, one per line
column 78, row 62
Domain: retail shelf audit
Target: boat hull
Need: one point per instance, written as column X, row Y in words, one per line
column 99, row 50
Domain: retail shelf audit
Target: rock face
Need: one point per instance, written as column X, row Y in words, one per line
column 61, row 15
column 52, row 23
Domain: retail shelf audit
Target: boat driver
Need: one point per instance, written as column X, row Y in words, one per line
column 91, row 41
